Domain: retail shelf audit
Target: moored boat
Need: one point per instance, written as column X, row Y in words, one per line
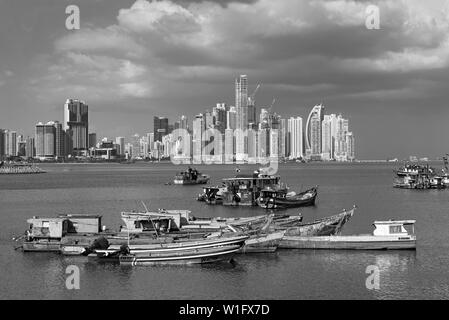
column 189, row 252
column 281, row 199
column 321, row 227
column 388, row 235
column 191, row 176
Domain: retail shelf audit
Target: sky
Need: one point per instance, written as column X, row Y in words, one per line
column 132, row 60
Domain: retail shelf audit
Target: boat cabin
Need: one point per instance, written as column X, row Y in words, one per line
column 394, row 228
column 163, row 220
column 56, row 228
column 245, row 189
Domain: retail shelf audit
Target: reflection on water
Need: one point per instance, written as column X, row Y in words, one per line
column 286, row 274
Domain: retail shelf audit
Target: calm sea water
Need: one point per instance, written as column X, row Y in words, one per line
column 287, row 274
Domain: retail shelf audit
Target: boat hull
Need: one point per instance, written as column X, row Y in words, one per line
column 264, row 243
column 41, row 246
column 349, row 243
column 187, row 257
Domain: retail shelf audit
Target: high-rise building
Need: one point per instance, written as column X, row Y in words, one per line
column 197, row 138
column 313, row 132
column 92, row 140
column 252, row 145
column 30, row 149
column 263, row 148
column 135, row 146
column 76, row 125
column 220, row 115
column 326, row 138
column 350, row 146
column 241, row 101
column 229, row 146
column 160, row 128
column 282, row 138
column 342, row 129
column 232, row 118
column 183, row 123
column 60, row 141
column 295, row 137
column 2, row 143
column 45, row 139
column 120, row 141
column 274, row 143
column 11, row 143
column 209, row 120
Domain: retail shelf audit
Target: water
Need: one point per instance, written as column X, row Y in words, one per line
column 108, row 189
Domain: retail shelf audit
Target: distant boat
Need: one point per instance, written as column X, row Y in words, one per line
column 191, row 176
column 280, row 198
column 387, row 235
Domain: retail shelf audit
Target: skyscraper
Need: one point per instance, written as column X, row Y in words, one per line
column 92, row 140
column 197, row 138
column 326, row 139
column 120, row 141
column 76, row 125
column 2, row 143
column 229, row 146
column 30, row 149
column 313, row 132
column 160, row 128
column 350, row 146
column 45, row 139
column 232, row 118
column 11, row 146
column 220, row 117
column 241, row 101
column 295, row 137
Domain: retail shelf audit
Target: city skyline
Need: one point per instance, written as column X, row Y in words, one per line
column 388, row 82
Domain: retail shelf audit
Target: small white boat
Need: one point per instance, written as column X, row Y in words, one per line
column 387, row 235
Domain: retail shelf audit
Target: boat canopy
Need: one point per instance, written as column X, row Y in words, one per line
column 392, row 227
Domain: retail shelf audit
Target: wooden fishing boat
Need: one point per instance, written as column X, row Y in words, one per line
column 322, row 227
column 191, row 176
column 181, row 221
column 388, row 235
column 183, row 252
column 281, row 199
column 263, row 242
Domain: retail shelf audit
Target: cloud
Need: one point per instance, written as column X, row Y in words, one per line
column 160, row 48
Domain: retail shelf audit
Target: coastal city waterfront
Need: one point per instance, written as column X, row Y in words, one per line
column 108, row 189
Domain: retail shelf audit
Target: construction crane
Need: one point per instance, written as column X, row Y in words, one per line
column 272, row 104
column 251, row 99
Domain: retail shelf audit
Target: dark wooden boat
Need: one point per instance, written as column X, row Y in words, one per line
column 281, row 199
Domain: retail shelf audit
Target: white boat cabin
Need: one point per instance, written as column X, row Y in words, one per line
column 393, row 228
column 164, row 220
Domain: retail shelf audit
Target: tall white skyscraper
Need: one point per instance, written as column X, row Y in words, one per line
column 229, row 146
column 326, row 139
column 197, row 138
column 313, row 132
column 295, row 137
column 241, row 101
column 232, row 118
